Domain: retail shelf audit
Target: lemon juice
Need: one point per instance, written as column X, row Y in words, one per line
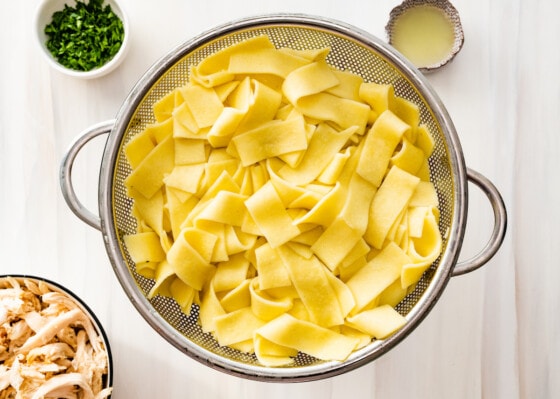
column 424, row 34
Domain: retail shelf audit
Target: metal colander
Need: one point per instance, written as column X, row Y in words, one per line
column 351, row 49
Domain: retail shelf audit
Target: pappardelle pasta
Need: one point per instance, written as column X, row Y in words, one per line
column 289, row 200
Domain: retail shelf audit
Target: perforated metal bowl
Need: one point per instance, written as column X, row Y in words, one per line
column 351, row 49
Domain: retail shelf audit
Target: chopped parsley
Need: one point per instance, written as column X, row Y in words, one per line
column 85, row 36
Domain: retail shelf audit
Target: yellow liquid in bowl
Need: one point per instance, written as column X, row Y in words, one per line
column 424, row 34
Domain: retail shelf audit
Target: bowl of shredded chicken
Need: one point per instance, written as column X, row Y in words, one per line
column 51, row 344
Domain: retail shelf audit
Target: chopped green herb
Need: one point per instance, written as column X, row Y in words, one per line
column 85, row 36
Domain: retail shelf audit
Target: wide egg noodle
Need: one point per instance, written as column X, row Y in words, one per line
column 226, row 208
column 324, row 144
column 231, row 273
column 388, row 204
column 379, row 146
column 265, row 306
column 379, row 322
column 309, row 79
column 147, row 177
column 321, row 342
column 310, row 281
column 189, row 152
column 183, row 294
column 270, row 215
column 203, row 103
column 213, row 70
column 265, row 61
column 237, row 298
column 237, row 326
column 271, row 270
column 186, row 178
column 271, row 139
column 377, row 275
column 381, row 97
column 424, row 250
column 139, row 147
column 144, row 247
column 273, row 355
column 163, row 276
column 336, row 242
column 190, row 257
column 409, row 158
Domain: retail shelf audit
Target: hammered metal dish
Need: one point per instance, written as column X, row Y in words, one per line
column 450, row 12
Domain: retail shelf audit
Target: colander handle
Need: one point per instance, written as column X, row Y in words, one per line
column 66, row 173
column 500, row 224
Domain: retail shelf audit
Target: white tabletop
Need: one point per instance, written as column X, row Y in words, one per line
column 494, row 333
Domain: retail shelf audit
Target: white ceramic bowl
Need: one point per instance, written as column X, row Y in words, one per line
column 43, row 16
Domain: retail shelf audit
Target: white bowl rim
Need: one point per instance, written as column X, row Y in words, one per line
column 43, row 15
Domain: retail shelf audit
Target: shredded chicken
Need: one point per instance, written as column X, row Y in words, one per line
column 49, row 347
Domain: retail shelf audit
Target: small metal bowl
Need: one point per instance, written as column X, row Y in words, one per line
column 43, row 285
column 449, row 11
column 43, row 16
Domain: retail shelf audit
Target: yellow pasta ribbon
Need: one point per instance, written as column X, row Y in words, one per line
column 388, row 204
column 271, row 270
column 379, row 322
column 379, row 146
column 270, row 215
column 310, row 281
column 381, row 97
column 213, row 70
column 183, row 294
column 265, row 306
column 178, row 210
column 424, row 140
column 307, row 80
column 148, row 176
column 326, row 210
column 190, row 257
column 231, row 273
column 343, row 112
column 425, row 194
column 189, row 151
column 139, row 147
column 324, row 144
column 270, row 140
column 163, row 108
column 237, row 326
column 377, row 275
column 163, row 277
column 226, row 207
column 336, row 242
column 260, row 102
column 348, row 85
column 144, row 247
column 237, row 298
column 265, row 61
column 307, row 337
column 210, row 309
column 409, row 158
column 204, row 104
column 149, row 210
column 185, row 177
column 273, row 355
column 409, row 113
column 423, row 250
